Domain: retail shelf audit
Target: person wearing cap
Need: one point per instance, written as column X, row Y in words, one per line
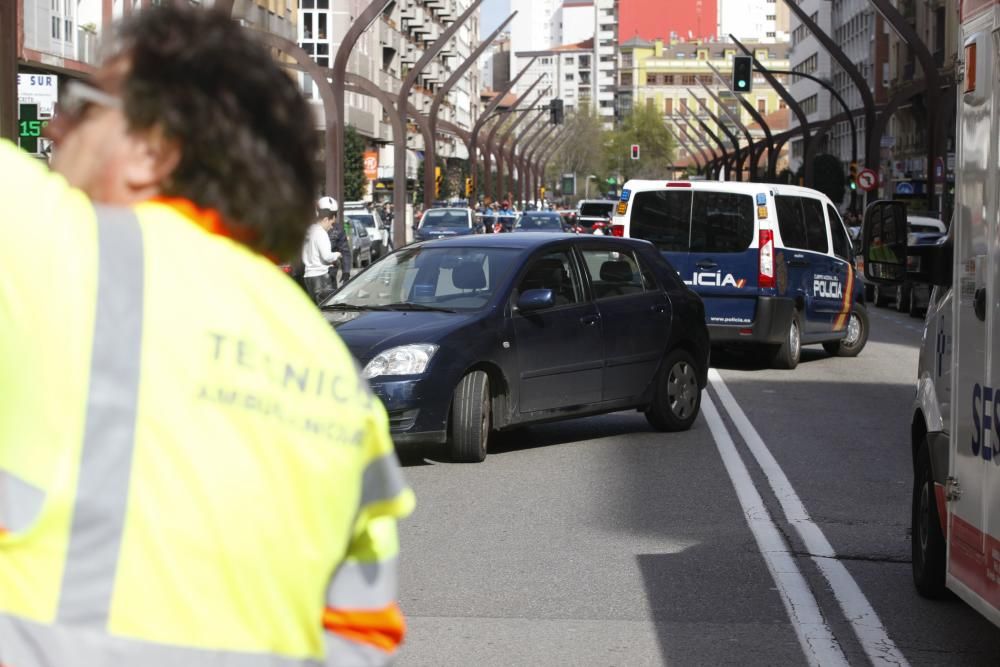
column 192, row 470
column 318, row 256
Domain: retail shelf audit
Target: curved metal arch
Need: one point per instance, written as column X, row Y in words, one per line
column 724, row 159
column 430, row 151
column 699, row 143
column 529, row 146
column 687, row 148
column 506, row 154
column 513, row 156
column 746, row 157
column 541, row 140
column 737, row 161
column 489, row 183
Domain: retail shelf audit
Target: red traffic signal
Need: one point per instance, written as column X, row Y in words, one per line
column 635, row 151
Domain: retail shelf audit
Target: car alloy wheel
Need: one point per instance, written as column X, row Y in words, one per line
column 853, row 330
column 682, row 389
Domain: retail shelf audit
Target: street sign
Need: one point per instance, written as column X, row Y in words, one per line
column 904, row 188
column 938, row 170
column 867, row 180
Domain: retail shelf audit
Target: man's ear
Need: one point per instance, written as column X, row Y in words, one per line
column 153, row 158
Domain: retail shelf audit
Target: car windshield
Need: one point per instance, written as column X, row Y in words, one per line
column 541, row 221
column 597, row 209
column 445, row 219
column 365, row 219
column 916, row 227
column 428, row 277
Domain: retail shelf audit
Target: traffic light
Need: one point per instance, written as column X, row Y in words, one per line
column 635, row 151
column 556, row 111
column 854, row 175
column 437, row 182
column 468, row 187
column 742, row 74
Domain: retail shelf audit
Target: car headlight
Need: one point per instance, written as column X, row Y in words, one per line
column 402, row 360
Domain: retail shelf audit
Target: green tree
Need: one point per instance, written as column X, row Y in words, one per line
column 644, row 127
column 829, row 177
column 584, row 153
column 354, row 165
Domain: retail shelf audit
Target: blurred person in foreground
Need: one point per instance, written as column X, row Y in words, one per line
column 191, row 470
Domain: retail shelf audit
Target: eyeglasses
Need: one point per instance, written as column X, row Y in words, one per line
column 77, row 97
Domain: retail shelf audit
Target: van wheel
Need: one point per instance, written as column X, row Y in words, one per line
column 928, row 541
column 880, row 298
column 902, row 298
column 857, row 335
column 470, row 419
column 786, row 355
column 677, row 397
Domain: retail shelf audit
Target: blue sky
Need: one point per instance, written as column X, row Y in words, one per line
column 492, row 12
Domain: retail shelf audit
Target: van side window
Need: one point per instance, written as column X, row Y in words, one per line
column 663, row 218
column 790, row 223
column 812, row 213
column 721, row 222
column 841, row 244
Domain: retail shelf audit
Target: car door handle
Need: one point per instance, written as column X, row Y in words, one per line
column 707, row 264
column 590, row 320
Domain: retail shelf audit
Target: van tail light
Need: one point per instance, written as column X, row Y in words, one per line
column 618, row 230
column 765, row 277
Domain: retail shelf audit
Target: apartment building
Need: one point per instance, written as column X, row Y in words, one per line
column 573, row 22
column 757, row 20
column 566, row 70
column 809, row 56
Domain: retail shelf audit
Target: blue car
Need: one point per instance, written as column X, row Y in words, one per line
column 440, row 223
column 465, row 336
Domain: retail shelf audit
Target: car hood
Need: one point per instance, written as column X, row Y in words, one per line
column 366, row 333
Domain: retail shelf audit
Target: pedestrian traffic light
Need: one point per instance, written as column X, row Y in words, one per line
column 468, row 187
column 742, row 74
column 854, row 175
column 437, row 182
column 556, row 111
column 635, row 151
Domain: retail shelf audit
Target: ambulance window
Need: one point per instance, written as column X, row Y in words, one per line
column 841, row 244
column 812, row 213
column 790, row 224
column 663, row 218
column 721, row 222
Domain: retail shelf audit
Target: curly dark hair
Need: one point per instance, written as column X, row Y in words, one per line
column 248, row 145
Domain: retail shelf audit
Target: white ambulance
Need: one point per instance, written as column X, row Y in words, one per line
column 955, row 428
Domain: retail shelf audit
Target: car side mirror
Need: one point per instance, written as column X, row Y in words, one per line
column 535, row 299
column 884, row 242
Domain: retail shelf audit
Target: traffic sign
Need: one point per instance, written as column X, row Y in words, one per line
column 867, row 180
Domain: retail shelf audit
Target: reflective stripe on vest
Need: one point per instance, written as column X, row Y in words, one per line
column 358, row 585
column 109, row 431
column 28, row 644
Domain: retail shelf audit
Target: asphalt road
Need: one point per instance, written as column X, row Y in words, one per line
column 775, row 532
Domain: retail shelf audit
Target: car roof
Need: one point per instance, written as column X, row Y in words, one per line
column 750, row 188
column 529, row 240
column 925, row 220
column 448, row 208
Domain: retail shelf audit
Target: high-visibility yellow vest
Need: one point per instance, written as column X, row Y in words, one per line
column 191, row 470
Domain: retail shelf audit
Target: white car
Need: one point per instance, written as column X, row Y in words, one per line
column 377, row 230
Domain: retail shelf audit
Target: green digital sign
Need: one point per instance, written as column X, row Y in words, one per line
column 30, row 127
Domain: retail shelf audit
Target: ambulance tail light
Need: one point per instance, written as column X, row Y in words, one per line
column 765, row 277
column 618, row 230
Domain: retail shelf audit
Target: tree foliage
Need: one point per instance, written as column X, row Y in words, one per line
column 354, row 165
column 583, row 153
column 656, row 147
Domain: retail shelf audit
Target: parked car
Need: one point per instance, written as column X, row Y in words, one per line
column 439, row 223
column 361, row 244
column 465, row 336
column 377, row 232
column 773, row 263
column 540, row 221
column 593, row 216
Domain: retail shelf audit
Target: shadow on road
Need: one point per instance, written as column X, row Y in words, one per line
column 750, row 359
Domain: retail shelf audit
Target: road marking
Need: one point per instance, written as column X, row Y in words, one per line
column 859, row 613
column 815, row 637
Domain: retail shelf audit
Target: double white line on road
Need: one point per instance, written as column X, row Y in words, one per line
column 815, row 636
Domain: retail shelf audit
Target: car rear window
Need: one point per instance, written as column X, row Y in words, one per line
column 721, row 222
column 597, row 209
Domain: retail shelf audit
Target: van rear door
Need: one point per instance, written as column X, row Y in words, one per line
column 663, row 217
column 805, row 252
column 724, row 262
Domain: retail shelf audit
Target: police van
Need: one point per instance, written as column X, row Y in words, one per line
column 955, row 422
column 773, row 263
